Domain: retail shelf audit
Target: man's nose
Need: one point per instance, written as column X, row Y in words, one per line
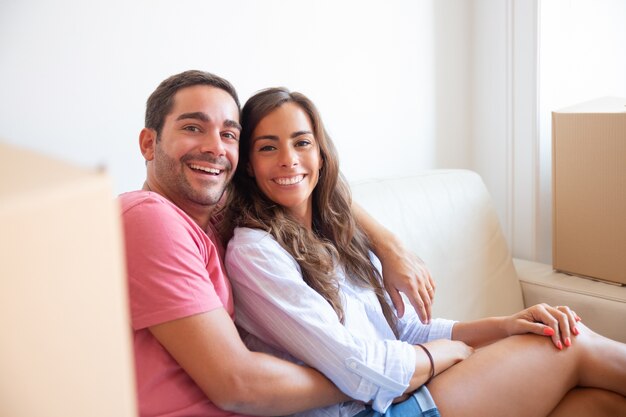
column 212, row 143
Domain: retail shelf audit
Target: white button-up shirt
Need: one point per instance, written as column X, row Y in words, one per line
column 284, row 316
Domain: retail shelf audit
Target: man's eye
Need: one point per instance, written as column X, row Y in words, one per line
column 229, row 135
column 191, row 128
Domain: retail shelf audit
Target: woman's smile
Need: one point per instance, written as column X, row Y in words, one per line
column 296, row 179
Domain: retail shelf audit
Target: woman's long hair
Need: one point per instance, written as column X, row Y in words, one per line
column 335, row 237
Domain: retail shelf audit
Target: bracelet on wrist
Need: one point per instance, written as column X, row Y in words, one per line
column 432, row 363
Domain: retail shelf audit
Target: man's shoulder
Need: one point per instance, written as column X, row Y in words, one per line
column 149, row 219
column 141, row 198
column 150, row 212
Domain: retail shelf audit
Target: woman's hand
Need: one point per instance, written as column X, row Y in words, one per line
column 404, row 272
column 558, row 322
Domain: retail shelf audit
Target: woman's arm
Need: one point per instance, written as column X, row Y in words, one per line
column 445, row 353
column 402, row 270
column 559, row 323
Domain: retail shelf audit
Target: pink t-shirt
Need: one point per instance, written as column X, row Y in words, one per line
column 174, row 271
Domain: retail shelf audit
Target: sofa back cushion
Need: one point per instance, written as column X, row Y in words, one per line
column 447, row 218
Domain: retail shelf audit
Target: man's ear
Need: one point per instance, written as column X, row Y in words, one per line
column 147, row 142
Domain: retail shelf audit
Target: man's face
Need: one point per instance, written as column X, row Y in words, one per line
column 197, row 152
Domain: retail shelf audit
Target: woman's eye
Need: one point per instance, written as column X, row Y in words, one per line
column 303, row 142
column 266, row 148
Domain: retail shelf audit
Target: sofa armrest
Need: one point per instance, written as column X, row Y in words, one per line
column 601, row 305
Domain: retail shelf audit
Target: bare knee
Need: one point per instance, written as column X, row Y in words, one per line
column 591, row 402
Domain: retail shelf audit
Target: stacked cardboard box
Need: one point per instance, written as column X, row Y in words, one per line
column 65, row 348
column 589, row 189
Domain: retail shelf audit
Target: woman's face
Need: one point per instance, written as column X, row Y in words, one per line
column 285, row 160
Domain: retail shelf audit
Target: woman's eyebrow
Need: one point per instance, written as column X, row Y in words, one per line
column 300, row 133
column 292, row 136
column 270, row 137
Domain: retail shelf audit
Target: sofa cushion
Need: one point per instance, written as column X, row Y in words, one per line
column 447, row 218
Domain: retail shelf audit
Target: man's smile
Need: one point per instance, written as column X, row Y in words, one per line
column 209, row 170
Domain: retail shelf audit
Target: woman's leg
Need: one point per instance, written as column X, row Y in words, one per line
column 591, row 402
column 527, row 376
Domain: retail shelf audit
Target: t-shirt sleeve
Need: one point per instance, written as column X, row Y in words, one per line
column 167, row 265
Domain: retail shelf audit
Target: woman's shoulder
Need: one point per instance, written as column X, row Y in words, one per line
column 256, row 246
column 245, row 237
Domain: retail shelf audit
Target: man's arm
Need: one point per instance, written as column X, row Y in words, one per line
column 403, row 271
column 208, row 347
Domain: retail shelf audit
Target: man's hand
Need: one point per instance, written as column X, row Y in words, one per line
column 402, row 270
column 405, row 272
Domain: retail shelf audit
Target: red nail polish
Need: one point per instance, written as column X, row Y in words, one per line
column 578, row 318
column 548, row 331
column 575, row 330
column 568, row 342
column 559, row 345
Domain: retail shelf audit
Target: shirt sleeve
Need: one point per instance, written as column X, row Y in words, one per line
column 412, row 330
column 274, row 303
column 166, row 264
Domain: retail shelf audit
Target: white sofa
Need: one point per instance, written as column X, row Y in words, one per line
column 448, row 219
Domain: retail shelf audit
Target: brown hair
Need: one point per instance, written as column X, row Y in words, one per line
column 160, row 102
column 335, row 234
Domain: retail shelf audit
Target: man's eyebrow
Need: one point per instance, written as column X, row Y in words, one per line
column 232, row 123
column 194, row 115
column 198, row 115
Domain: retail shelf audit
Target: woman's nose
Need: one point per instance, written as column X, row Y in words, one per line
column 288, row 157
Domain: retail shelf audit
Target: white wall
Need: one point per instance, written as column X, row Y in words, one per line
column 504, row 114
column 390, row 78
column 404, row 85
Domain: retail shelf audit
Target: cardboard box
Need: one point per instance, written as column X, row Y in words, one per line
column 65, row 348
column 589, row 189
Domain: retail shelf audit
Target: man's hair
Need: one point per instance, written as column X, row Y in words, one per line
column 336, row 235
column 160, row 102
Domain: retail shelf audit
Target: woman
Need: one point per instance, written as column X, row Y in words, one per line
column 308, row 288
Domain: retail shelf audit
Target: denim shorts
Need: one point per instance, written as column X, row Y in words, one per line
column 419, row 404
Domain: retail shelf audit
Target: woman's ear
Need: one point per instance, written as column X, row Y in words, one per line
column 249, row 170
column 147, row 142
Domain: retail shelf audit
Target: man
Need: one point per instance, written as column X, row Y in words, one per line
column 189, row 357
